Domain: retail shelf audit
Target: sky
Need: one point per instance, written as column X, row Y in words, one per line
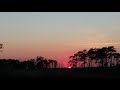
column 56, row 35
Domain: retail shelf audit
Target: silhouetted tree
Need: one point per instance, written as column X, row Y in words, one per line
column 1, row 47
column 101, row 54
column 83, row 57
column 30, row 64
column 55, row 64
column 92, row 56
column 111, row 51
column 73, row 61
column 40, row 61
column 117, row 59
column 51, row 63
column 44, row 63
column 100, row 57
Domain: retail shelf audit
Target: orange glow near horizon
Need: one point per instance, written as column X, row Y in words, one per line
column 61, row 55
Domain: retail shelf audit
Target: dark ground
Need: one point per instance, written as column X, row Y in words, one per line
column 93, row 78
column 62, row 73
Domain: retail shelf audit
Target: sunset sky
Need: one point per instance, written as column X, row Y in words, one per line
column 56, row 35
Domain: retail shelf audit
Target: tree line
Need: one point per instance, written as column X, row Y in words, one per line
column 32, row 64
column 95, row 57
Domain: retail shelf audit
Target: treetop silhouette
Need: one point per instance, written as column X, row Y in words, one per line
column 1, row 47
column 95, row 57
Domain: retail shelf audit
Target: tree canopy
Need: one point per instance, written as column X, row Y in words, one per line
column 95, row 57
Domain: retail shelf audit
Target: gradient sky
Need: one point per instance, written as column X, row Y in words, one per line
column 56, row 35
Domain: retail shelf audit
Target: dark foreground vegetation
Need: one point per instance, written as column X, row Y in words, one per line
column 113, row 72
